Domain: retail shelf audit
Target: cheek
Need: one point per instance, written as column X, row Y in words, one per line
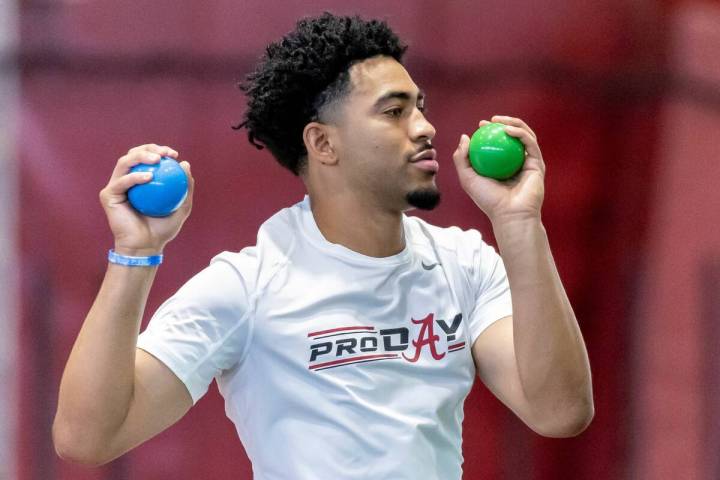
column 382, row 154
column 370, row 146
column 391, row 153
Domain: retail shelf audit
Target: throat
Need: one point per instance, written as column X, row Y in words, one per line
column 373, row 234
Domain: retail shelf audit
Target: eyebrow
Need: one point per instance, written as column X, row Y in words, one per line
column 401, row 95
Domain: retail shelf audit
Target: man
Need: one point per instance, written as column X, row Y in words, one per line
column 347, row 339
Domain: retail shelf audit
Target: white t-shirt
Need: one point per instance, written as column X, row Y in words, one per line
column 333, row 364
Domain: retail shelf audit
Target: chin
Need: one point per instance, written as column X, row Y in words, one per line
column 423, row 198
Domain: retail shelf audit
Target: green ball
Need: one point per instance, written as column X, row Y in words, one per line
column 495, row 154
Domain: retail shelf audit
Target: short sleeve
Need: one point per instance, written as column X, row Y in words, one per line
column 206, row 327
column 491, row 290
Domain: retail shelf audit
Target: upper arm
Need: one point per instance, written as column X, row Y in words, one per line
column 496, row 365
column 159, row 400
column 194, row 336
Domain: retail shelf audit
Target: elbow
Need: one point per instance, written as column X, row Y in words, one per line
column 576, row 424
column 75, row 447
column 569, row 423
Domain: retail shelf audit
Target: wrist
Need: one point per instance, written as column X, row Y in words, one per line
column 134, row 260
column 518, row 237
column 137, row 252
column 509, row 222
column 515, row 232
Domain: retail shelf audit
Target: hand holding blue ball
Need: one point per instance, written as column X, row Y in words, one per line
column 162, row 195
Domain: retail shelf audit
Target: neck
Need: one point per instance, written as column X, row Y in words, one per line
column 359, row 225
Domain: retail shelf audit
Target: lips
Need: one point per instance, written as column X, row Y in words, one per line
column 425, row 160
column 428, row 154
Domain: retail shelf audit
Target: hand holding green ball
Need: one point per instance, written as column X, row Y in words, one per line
column 495, row 154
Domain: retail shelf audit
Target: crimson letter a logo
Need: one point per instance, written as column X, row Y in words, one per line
column 425, row 337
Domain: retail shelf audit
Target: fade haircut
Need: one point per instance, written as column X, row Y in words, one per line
column 306, row 70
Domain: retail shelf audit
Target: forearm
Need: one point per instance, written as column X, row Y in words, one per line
column 551, row 357
column 97, row 384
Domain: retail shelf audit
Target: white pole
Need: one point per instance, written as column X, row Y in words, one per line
column 9, row 276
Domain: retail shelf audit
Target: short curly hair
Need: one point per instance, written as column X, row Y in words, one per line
column 303, row 72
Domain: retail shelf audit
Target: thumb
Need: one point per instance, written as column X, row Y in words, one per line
column 191, row 184
column 460, row 156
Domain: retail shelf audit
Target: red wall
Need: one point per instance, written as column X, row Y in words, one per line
column 677, row 326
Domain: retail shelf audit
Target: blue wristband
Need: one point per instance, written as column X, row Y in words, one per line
column 134, row 261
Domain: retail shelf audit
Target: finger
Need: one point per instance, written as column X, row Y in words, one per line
column 169, row 152
column 483, row 122
column 147, row 154
column 530, row 143
column 126, row 162
column 516, row 122
column 162, row 150
column 118, row 187
column 537, row 163
column 460, row 155
column 187, row 204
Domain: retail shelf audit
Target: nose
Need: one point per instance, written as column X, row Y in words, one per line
column 421, row 128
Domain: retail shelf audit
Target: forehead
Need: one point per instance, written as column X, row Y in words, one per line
column 373, row 77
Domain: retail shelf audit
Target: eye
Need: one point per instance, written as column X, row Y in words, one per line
column 394, row 112
column 423, row 109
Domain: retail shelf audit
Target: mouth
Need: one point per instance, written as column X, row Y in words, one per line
column 426, row 160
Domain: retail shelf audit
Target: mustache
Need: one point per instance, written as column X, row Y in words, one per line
column 425, row 146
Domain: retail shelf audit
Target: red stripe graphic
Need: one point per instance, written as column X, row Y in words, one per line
column 341, row 329
column 351, row 360
column 457, row 346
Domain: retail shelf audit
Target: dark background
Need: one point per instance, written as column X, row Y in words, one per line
column 623, row 95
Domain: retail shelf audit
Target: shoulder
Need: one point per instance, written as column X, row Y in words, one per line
column 455, row 246
column 276, row 240
column 455, row 240
column 279, row 232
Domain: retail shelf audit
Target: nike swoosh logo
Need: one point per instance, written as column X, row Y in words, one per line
column 429, row 267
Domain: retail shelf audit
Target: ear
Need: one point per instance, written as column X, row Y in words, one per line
column 318, row 142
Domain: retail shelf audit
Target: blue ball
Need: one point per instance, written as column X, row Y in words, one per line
column 164, row 193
